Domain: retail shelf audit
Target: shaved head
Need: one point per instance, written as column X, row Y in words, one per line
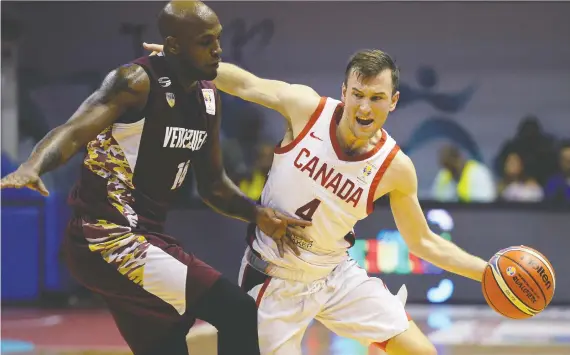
column 191, row 32
column 177, row 17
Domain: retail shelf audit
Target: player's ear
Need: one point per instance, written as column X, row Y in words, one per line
column 343, row 92
column 394, row 102
column 171, row 45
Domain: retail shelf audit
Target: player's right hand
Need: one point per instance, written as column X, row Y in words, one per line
column 24, row 177
column 153, row 47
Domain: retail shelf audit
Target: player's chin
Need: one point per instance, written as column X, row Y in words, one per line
column 210, row 73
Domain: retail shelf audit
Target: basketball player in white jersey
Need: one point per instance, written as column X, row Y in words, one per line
column 334, row 161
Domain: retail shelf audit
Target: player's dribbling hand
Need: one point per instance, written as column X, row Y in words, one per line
column 24, row 177
column 281, row 228
column 153, row 47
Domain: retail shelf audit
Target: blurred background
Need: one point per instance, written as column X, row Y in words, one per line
column 485, row 90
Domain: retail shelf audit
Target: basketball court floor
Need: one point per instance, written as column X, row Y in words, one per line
column 455, row 330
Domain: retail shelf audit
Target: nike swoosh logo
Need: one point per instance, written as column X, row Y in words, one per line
column 312, row 135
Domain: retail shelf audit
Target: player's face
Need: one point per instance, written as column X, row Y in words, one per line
column 367, row 102
column 201, row 51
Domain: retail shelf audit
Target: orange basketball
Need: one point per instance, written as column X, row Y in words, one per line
column 518, row 282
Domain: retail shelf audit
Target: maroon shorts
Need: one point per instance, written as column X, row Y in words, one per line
column 149, row 283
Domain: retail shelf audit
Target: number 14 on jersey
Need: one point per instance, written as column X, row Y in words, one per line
column 181, row 174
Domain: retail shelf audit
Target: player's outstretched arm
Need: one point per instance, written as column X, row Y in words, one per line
column 414, row 228
column 293, row 101
column 273, row 94
column 222, row 195
column 124, row 88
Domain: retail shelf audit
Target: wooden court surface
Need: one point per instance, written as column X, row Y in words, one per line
column 454, row 330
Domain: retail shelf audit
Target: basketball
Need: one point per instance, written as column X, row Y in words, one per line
column 518, row 282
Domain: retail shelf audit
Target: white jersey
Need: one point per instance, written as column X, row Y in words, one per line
column 312, row 178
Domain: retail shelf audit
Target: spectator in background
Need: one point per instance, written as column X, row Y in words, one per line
column 461, row 179
column 516, row 185
column 234, row 159
column 557, row 188
column 252, row 185
column 240, row 136
column 534, row 147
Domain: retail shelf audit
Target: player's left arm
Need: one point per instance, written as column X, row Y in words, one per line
column 214, row 186
column 415, row 230
column 222, row 195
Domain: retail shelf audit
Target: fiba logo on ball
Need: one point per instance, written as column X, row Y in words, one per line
column 511, row 271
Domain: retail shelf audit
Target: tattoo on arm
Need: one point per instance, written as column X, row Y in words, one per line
column 52, row 155
column 47, row 154
column 124, row 88
column 119, row 83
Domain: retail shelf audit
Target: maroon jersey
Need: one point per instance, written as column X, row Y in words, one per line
column 133, row 169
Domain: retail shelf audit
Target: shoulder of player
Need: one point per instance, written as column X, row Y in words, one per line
column 299, row 102
column 128, row 83
column 401, row 174
column 134, row 74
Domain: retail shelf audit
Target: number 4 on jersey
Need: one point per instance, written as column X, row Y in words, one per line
column 307, row 211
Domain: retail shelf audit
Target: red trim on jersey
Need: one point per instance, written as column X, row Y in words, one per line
column 378, row 177
column 262, row 291
column 306, row 129
column 336, row 145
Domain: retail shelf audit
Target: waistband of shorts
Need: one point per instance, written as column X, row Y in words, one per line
column 273, row 270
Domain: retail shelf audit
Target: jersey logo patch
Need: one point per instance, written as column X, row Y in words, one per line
column 366, row 173
column 164, row 81
column 209, row 101
column 170, row 99
column 312, row 135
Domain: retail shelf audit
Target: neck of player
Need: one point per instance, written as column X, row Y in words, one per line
column 351, row 144
column 186, row 77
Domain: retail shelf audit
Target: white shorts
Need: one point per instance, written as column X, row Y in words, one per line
column 348, row 302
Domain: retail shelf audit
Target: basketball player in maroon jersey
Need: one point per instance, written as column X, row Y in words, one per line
column 143, row 128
